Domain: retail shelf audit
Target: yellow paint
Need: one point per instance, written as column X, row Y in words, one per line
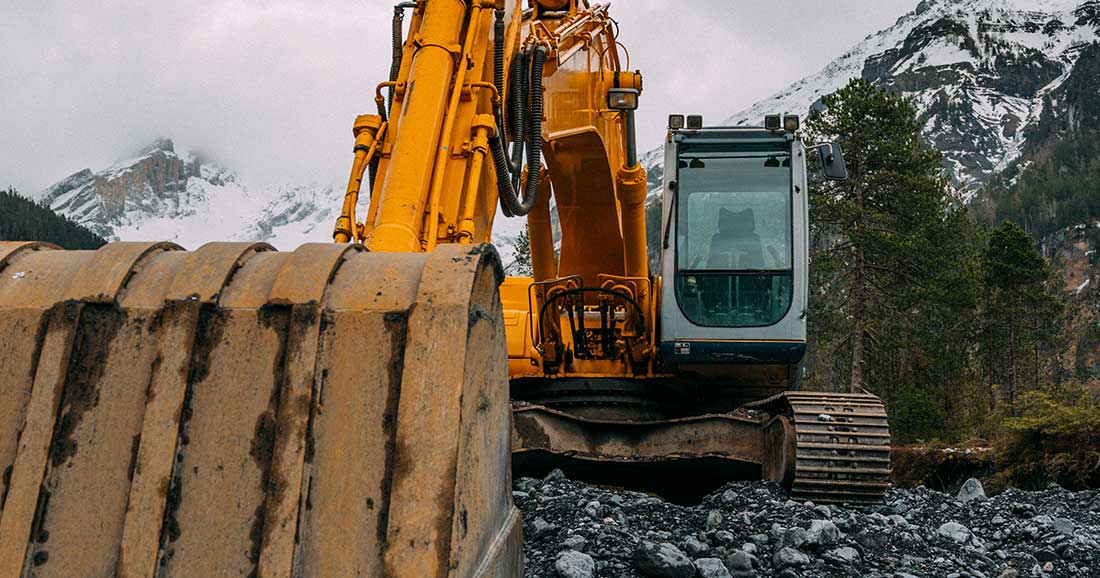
column 436, row 183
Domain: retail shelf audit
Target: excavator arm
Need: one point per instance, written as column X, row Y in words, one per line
column 475, row 80
column 478, row 90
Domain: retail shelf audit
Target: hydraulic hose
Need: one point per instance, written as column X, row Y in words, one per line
column 505, row 190
column 395, row 65
column 531, row 121
column 519, row 98
column 397, row 42
column 372, row 168
column 534, row 151
column 511, row 135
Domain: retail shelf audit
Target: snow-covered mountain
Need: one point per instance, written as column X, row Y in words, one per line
column 982, row 73
column 181, row 197
column 162, row 195
column 977, row 70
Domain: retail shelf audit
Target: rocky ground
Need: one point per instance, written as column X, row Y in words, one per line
column 573, row 530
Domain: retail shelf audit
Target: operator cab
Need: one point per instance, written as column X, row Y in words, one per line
column 735, row 245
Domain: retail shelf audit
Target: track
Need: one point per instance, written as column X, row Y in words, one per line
column 842, row 448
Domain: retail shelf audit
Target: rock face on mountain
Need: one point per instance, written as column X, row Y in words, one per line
column 979, row 71
column 155, row 183
column 1075, row 254
column 163, row 195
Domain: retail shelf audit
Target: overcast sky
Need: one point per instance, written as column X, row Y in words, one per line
column 270, row 87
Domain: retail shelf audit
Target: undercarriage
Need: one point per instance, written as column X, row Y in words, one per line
column 823, row 447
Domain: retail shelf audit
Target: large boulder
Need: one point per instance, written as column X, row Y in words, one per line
column 662, row 560
column 573, row 564
column 971, row 491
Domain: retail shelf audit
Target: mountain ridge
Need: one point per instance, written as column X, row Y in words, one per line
column 984, row 74
column 977, row 70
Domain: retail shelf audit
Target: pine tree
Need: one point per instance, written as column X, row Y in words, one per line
column 895, row 275
column 23, row 220
column 1021, row 314
column 521, row 254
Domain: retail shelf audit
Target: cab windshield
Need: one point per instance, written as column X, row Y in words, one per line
column 734, row 234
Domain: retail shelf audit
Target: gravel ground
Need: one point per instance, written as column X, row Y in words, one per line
column 747, row 529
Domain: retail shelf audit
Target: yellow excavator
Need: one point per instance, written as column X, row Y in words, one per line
column 355, row 408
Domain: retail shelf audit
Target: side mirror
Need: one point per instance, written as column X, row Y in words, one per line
column 832, row 161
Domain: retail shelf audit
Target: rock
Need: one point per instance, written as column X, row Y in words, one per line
column 1064, row 526
column 1009, row 573
column 740, row 563
column 971, row 491
column 955, row 531
column 573, row 564
column 694, row 548
column 788, row 556
column 594, row 509
column 575, row 542
column 1045, row 555
column 526, row 485
column 711, row 568
column 872, row 539
column 714, row 519
column 794, row 538
column 898, row 521
column 822, row 533
column 662, row 560
column 541, row 528
column 845, row 555
column 759, row 537
column 556, row 475
column 729, row 497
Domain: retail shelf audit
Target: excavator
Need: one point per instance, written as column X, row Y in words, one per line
column 357, row 407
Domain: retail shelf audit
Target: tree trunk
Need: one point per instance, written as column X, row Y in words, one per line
column 859, row 312
column 1012, row 350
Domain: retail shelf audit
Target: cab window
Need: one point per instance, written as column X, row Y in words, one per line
column 734, row 234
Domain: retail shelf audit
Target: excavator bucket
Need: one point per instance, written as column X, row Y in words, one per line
column 238, row 411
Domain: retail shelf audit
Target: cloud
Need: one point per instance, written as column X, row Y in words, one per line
column 271, row 88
